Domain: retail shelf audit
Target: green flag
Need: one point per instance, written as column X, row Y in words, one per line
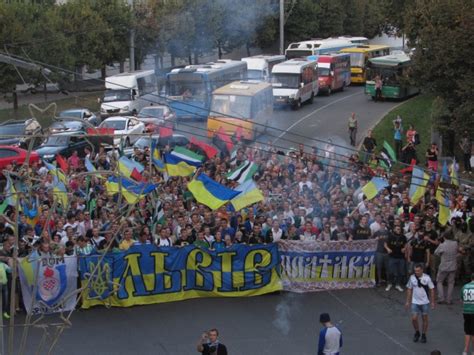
column 3, row 206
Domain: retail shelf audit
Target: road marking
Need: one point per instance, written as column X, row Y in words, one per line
column 313, row 112
column 393, row 340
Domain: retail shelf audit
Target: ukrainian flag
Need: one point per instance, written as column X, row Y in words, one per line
column 177, row 167
column 374, row 186
column 132, row 192
column 126, row 166
column 60, row 193
column 210, row 193
column 156, row 156
column 419, row 180
column 249, row 195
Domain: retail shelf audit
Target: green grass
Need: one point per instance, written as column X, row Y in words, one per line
column 88, row 100
column 416, row 111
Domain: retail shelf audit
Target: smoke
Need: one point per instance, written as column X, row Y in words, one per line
column 283, row 312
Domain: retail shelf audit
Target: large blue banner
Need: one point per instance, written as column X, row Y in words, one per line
column 147, row 274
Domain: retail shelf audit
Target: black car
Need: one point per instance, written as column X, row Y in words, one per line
column 61, row 126
column 64, row 144
column 19, row 132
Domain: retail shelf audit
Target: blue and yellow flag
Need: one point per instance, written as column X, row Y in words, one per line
column 419, row 180
column 374, row 186
column 156, row 156
column 211, row 193
column 60, row 193
column 250, row 194
column 444, row 206
column 131, row 191
column 177, row 167
column 454, row 173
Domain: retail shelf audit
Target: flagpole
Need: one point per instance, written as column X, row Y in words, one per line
column 11, row 331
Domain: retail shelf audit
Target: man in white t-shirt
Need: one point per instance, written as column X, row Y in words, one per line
column 418, row 287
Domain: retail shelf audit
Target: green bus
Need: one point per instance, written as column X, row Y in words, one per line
column 394, row 71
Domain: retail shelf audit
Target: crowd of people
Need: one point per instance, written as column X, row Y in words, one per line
column 310, row 194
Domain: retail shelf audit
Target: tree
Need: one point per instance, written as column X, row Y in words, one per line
column 330, row 18
column 303, row 21
column 441, row 31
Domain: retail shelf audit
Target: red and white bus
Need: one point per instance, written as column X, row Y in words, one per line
column 334, row 72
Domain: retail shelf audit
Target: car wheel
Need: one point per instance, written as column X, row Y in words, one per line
column 311, row 100
column 297, row 105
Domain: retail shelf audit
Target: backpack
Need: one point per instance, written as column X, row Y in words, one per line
column 417, row 139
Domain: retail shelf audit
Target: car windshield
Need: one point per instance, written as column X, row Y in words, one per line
column 142, row 143
column 231, row 105
column 255, row 74
column 115, row 124
column 56, row 141
column 290, row 81
column 117, row 95
column 66, row 125
column 151, row 112
column 75, row 114
column 357, row 60
column 11, row 130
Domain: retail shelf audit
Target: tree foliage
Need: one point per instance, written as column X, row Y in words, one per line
column 441, row 32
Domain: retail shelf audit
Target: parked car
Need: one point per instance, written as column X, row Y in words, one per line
column 17, row 132
column 145, row 142
column 126, row 127
column 82, row 113
column 155, row 116
column 10, row 155
column 64, row 144
column 67, row 126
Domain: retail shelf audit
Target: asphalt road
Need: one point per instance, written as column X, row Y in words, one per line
column 372, row 321
column 325, row 118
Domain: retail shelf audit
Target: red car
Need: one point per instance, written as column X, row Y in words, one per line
column 10, row 154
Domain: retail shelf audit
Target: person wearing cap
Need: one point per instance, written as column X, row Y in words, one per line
column 330, row 337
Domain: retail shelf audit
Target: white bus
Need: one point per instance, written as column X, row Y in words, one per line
column 294, row 82
column 127, row 93
column 259, row 67
column 354, row 39
column 314, row 48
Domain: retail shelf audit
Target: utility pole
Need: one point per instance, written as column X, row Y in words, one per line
column 282, row 26
column 132, row 40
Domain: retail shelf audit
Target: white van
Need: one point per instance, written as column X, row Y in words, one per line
column 294, row 82
column 259, row 67
column 127, row 93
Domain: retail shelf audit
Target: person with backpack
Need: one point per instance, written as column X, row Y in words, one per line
column 420, row 293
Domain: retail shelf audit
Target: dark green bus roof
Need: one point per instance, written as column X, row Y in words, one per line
column 391, row 60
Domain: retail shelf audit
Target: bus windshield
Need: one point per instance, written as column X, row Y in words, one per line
column 253, row 74
column 323, row 71
column 231, row 105
column 389, row 76
column 290, row 81
column 117, row 95
column 187, row 89
column 357, row 60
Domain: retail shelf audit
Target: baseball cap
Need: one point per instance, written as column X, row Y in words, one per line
column 324, row 318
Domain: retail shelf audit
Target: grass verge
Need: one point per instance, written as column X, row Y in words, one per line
column 88, row 100
column 416, row 111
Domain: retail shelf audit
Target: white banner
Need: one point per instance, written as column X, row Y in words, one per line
column 48, row 284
